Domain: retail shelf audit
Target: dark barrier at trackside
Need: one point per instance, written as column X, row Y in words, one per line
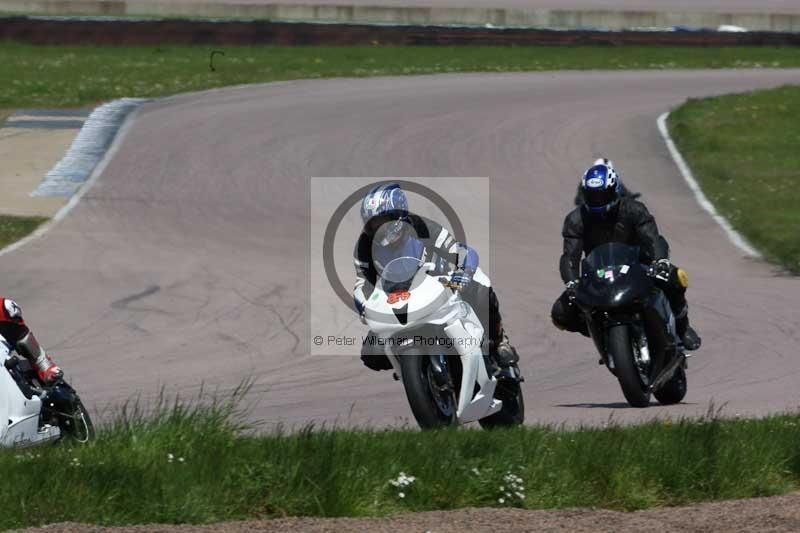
column 141, row 32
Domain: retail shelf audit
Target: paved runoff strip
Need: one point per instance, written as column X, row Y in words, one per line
column 88, row 148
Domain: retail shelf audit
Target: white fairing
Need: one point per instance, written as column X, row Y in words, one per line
column 19, row 416
column 430, row 303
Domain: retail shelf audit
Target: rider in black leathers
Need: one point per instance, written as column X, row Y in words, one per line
column 605, row 215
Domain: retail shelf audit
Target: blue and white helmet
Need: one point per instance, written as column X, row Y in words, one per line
column 601, row 187
column 388, row 201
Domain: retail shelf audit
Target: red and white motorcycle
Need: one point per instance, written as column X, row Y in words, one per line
column 434, row 341
column 32, row 413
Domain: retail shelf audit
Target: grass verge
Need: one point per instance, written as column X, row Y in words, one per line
column 64, row 76
column 743, row 151
column 195, row 465
column 14, row 228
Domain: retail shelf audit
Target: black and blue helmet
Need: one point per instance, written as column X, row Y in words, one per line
column 601, row 187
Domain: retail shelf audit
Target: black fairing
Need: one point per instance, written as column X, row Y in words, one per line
column 613, row 279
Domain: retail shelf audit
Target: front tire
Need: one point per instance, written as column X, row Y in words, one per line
column 674, row 390
column 432, row 408
column 73, row 419
column 621, row 349
column 513, row 411
column 78, row 427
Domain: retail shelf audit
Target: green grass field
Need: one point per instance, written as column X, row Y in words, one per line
column 743, row 151
column 64, row 76
column 196, row 466
column 14, row 228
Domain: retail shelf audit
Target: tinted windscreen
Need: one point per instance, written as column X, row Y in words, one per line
column 612, row 254
column 399, row 273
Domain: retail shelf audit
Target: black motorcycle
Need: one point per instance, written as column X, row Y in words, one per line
column 632, row 325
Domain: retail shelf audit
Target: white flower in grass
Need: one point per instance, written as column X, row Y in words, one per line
column 402, row 480
column 476, row 471
column 170, row 457
column 512, row 488
column 401, row 494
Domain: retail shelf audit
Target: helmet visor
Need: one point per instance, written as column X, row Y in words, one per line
column 390, row 232
column 599, row 197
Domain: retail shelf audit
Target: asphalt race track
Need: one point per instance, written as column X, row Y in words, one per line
column 185, row 262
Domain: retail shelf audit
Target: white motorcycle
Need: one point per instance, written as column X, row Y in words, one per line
column 434, row 341
column 33, row 414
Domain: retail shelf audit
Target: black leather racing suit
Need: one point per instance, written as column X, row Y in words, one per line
column 630, row 223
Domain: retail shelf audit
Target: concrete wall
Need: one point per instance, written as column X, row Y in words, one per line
column 541, row 18
column 127, row 31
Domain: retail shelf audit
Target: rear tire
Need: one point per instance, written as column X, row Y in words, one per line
column 513, row 410
column 620, row 348
column 674, row 390
column 429, row 411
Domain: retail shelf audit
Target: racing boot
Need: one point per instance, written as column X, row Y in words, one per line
column 47, row 370
column 691, row 340
column 505, row 356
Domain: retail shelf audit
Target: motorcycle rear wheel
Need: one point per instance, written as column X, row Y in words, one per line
column 513, row 411
column 621, row 349
column 674, row 390
column 432, row 408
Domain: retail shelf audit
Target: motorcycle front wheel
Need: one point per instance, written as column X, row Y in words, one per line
column 73, row 417
column 433, row 406
column 78, row 426
column 620, row 347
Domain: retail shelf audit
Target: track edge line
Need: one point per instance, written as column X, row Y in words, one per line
column 734, row 236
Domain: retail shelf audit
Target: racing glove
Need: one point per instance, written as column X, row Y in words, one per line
column 661, row 269
column 460, row 278
column 571, row 287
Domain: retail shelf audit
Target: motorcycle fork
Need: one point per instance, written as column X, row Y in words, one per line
column 441, row 374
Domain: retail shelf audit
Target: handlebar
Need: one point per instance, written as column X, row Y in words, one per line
column 449, row 285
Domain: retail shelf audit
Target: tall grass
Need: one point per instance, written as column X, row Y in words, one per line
column 198, row 463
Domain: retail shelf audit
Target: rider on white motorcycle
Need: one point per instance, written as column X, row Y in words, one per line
column 14, row 334
column 391, row 231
